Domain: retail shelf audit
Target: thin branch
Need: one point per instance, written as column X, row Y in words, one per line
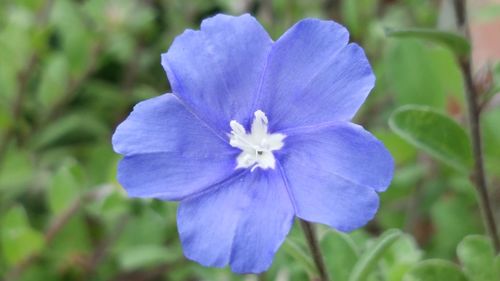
column 313, row 244
column 479, row 175
column 64, row 218
column 55, row 227
column 102, row 249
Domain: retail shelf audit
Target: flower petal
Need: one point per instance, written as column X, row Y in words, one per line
column 216, row 71
column 324, row 198
column 333, row 173
column 344, row 149
column 314, row 76
column 169, row 153
column 242, row 221
column 162, row 124
column 171, row 175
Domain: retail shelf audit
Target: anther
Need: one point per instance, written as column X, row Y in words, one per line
column 256, row 145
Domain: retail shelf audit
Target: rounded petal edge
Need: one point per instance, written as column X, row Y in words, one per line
column 217, row 70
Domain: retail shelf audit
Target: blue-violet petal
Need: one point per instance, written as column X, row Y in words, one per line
column 241, row 222
column 314, row 76
column 169, row 153
column 217, row 70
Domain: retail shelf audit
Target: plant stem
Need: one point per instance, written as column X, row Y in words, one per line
column 479, row 175
column 313, row 244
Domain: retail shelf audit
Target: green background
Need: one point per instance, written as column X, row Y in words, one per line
column 70, row 71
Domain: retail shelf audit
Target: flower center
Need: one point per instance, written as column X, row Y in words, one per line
column 257, row 145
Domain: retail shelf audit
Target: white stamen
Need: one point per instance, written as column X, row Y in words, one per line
column 257, row 145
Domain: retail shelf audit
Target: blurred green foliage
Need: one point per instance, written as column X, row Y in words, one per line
column 70, row 71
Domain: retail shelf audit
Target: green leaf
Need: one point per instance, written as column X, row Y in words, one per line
column 101, row 163
column 457, row 43
column 15, row 40
column 16, row 171
column 453, row 217
column 147, row 228
column 18, row 239
column 422, row 75
column 435, row 270
column 53, row 82
column 478, row 258
column 111, row 207
column 356, row 14
column 72, row 240
column 30, row 5
column 371, row 257
column 76, row 36
column 340, row 253
column 144, row 256
column 72, row 129
column 401, row 257
column 8, row 81
column 295, row 251
column 399, row 148
column 65, row 187
column 434, row 133
column 5, row 115
column 491, row 139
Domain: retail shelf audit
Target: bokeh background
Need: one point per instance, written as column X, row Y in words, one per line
column 70, row 71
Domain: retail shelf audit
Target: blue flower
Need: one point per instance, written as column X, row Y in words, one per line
column 255, row 133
